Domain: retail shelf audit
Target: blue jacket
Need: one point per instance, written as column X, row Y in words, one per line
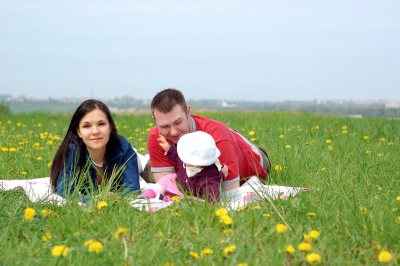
column 120, row 156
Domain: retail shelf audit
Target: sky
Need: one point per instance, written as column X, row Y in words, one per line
column 260, row 50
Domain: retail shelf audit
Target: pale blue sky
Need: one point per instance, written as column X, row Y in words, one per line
column 233, row 50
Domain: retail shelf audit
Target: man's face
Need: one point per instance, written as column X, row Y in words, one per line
column 174, row 124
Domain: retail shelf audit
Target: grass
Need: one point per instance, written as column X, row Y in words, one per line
column 351, row 166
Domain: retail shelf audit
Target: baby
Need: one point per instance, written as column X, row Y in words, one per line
column 198, row 169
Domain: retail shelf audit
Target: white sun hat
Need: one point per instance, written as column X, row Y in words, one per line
column 198, row 148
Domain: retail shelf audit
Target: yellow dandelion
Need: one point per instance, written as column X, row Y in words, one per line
column 39, row 158
column 395, row 209
column 377, row 247
column 281, row 136
column 311, row 214
column 4, row 149
column 288, row 146
column 242, row 264
column 289, row 249
column 59, row 250
column 226, row 219
column 176, row 198
column 398, row 219
column 267, row 215
column 36, row 145
column 160, row 234
column 398, row 198
column 24, row 173
column 304, row 246
column 45, row 212
column 390, row 143
column 328, row 141
column 382, row 139
column 223, row 241
column 95, row 247
column 313, row 258
column 49, row 164
column 194, row 255
column 12, row 150
column 229, row 250
column 87, row 242
column 280, row 228
column 29, row 213
column 221, row 211
column 228, row 231
column 307, row 238
column 364, row 210
column 251, row 133
column 102, row 204
column 314, row 234
column 365, row 137
column 253, row 139
column 278, row 168
column 385, row 257
column 122, row 231
column 345, row 127
column 206, row 251
column 241, row 208
column 256, row 207
column 46, row 237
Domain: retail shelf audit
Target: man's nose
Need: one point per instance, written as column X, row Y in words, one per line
column 173, row 131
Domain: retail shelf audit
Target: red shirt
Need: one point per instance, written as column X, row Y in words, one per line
column 236, row 152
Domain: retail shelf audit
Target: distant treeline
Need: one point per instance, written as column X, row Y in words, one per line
column 131, row 105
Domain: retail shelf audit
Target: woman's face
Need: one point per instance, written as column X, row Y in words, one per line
column 94, row 129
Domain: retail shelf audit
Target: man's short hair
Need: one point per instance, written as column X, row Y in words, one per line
column 166, row 99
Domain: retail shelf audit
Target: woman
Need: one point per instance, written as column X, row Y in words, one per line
column 92, row 154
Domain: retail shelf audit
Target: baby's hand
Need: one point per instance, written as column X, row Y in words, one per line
column 163, row 143
column 224, row 170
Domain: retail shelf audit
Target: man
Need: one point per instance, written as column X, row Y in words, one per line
column 173, row 120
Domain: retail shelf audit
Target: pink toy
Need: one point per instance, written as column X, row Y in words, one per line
column 164, row 189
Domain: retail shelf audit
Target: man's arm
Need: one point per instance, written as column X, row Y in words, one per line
column 231, row 185
column 157, row 176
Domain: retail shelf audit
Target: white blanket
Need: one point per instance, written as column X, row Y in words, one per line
column 39, row 190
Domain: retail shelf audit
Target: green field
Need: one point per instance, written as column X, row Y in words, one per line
column 351, row 165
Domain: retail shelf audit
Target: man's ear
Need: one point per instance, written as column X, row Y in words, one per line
column 188, row 110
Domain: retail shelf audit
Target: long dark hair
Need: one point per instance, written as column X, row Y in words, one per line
column 72, row 138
